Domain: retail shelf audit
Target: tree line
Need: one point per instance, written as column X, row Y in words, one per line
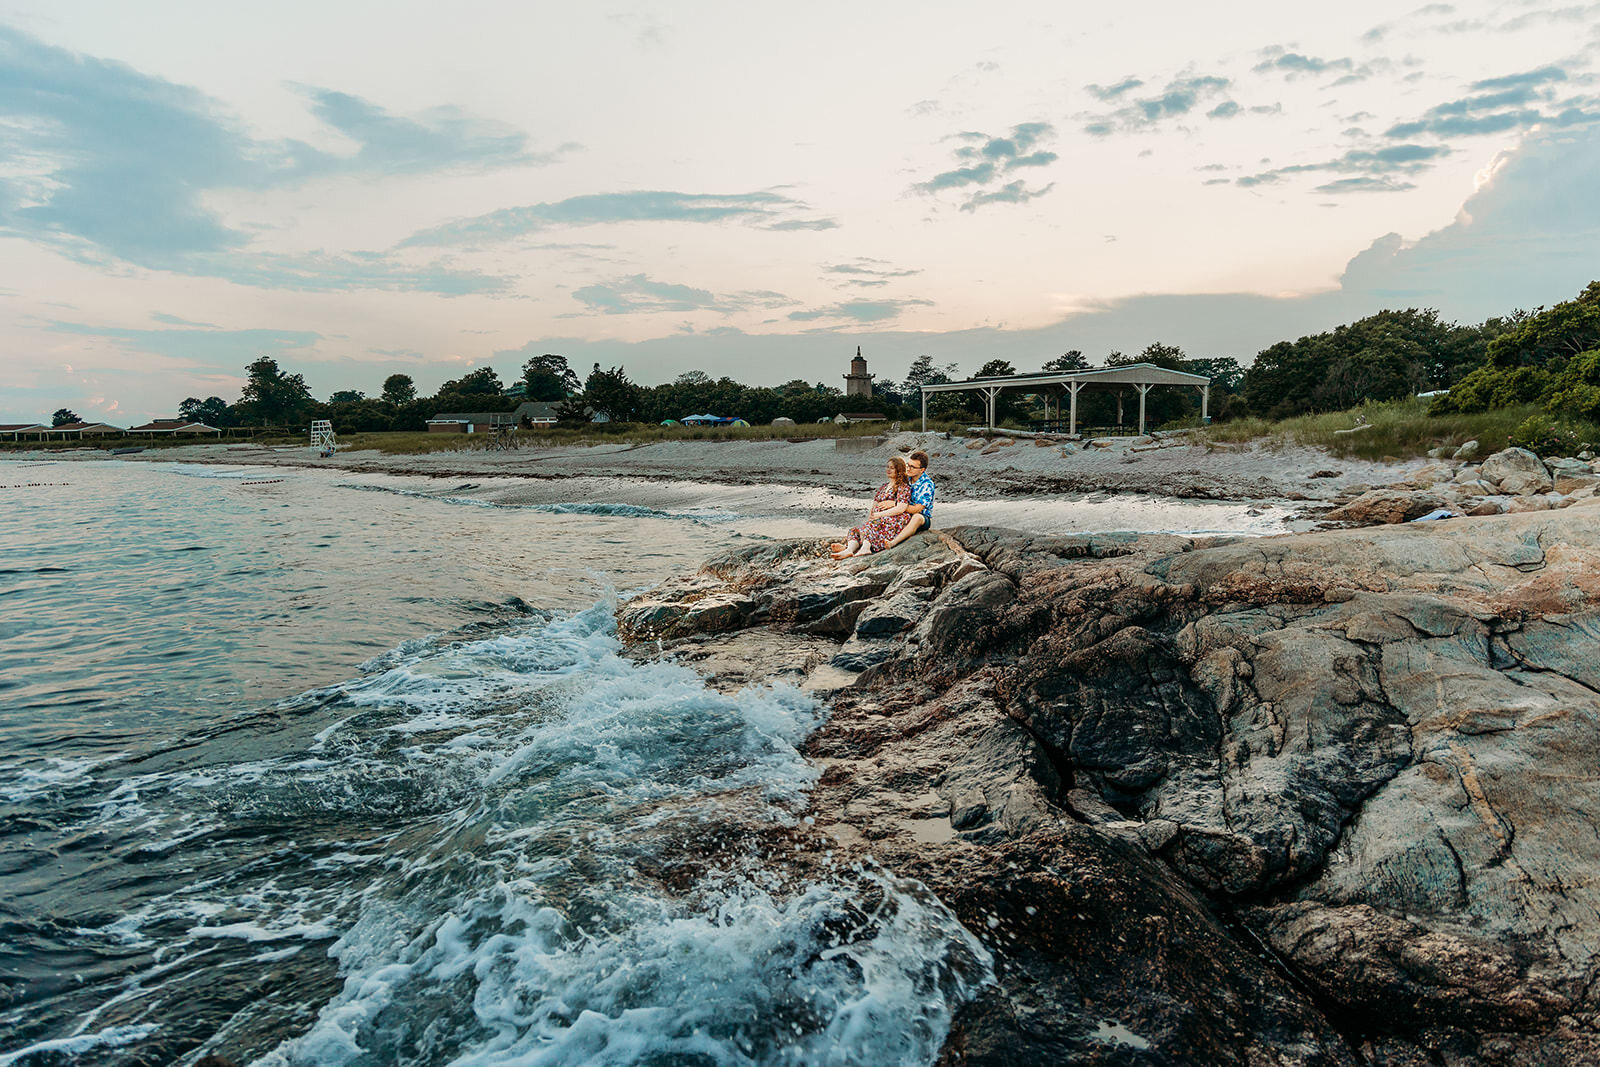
column 1550, row 356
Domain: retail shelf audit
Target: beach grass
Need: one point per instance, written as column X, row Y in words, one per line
column 1396, row 430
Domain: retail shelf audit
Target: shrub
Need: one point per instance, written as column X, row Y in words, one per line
column 1489, row 387
column 1575, row 392
column 1555, row 435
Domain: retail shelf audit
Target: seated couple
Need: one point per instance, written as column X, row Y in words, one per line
column 901, row 506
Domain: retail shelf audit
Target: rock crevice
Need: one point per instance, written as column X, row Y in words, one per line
column 1372, row 751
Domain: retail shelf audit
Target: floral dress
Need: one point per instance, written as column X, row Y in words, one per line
column 880, row 531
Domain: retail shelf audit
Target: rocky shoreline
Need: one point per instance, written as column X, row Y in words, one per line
column 1512, row 480
column 1325, row 798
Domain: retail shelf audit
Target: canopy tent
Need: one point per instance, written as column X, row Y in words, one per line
column 1140, row 376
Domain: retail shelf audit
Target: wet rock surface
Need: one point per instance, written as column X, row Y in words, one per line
column 1320, row 798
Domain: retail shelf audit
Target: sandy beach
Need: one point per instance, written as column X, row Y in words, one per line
column 965, row 468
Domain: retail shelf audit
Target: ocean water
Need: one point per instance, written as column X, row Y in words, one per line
column 308, row 768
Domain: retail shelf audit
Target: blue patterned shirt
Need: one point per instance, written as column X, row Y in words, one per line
column 922, row 493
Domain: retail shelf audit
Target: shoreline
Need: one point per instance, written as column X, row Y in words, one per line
column 975, row 469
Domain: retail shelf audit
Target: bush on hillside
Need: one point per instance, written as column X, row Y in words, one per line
column 1551, row 335
column 1575, row 392
column 1555, row 435
column 1490, row 387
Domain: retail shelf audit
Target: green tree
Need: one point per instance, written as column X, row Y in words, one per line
column 399, row 389
column 347, row 396
column 573, row 409
column 612, row 394
column 63, row 416
column 479, row 390
column 1387, row 369
column 694, row 378
column 923, row 372
column 1550, row 335
column 1575, row 391
column 413, row 417
column 213, row 411
column 1066, row 363
column 549, row 378
column 1169, row 356
column 483, row 381
column 361, row 415
column 1379, row 357
column 1225, row 372
column 1226, row 375
column 272, row 397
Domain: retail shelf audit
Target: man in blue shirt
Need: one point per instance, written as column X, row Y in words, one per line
column 921, row 507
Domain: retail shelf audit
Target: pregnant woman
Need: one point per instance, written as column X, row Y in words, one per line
column 886, row 518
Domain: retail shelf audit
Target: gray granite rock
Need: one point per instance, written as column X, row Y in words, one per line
column 1525, row 470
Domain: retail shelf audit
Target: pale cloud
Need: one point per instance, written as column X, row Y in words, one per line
column 1497, row 105
column 1181, row 96
column 196, row 347
column 1111, row 92
column 865, row 312
column 868, row 273
column 989, row 158
column 641, row 294
column 119, row 163
column 1293, row 64
column 594, row 209
column 1375, row 166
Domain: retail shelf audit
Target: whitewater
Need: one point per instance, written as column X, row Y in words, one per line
column 305, row 767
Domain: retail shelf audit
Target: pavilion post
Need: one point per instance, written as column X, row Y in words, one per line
column 1072, row 408
column 1205, row 403
column 1143, row 389
column 1119, row 407
column 924, row 410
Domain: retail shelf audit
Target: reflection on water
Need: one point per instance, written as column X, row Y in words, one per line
column 143, row 598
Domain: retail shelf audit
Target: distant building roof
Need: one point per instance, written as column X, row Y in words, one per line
column 863, row 416
column 489, row 417
column 535, row 409
column 86, row 427
column 173, row 426
column 22, row 427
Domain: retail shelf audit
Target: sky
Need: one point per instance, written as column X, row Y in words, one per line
column 361, row 189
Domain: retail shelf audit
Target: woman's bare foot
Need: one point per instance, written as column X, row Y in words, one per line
column 864, row 550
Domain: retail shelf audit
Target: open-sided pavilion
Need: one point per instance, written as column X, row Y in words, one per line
column 1138, row 377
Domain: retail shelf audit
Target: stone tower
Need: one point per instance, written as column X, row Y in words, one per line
column 858, row 382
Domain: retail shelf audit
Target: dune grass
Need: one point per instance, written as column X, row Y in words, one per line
column 1397, row 429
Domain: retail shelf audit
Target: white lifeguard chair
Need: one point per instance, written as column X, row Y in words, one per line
column 322, row 438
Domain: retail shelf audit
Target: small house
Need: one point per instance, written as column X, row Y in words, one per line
column 173, row 427
column 471, row 421
column 18, row 430
column 531, row 413
column 87, row 429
